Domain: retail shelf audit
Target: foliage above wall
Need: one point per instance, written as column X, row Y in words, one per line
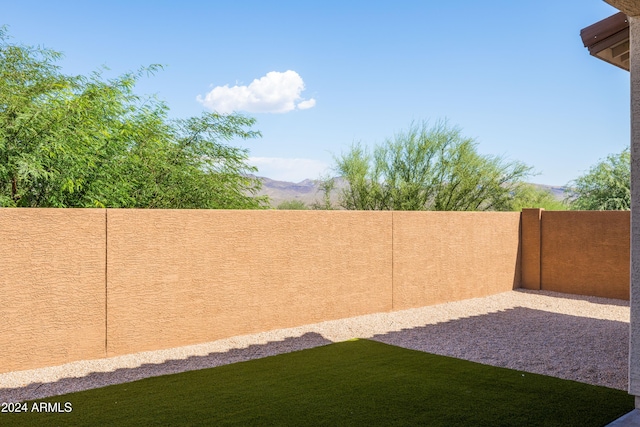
column 430, row 168
column 87, row 141
column 605, row 187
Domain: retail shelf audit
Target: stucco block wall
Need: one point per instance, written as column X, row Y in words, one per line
column 88, row 283
column 449, row 256
column 586, row 252
column 52, row 286
column 184, row 277
column 530, row 253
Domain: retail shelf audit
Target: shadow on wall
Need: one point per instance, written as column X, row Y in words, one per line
column 517, row 273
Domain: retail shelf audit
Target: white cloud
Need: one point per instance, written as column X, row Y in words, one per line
column 293, row 170
column 309, row 103
column 274, row 93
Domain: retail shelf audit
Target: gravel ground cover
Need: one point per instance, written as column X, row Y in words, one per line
column 565, row 336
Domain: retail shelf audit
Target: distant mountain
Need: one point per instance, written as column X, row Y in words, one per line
column 559, row 192
column 308, row 191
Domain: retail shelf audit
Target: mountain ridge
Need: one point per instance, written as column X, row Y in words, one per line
column 308, row 190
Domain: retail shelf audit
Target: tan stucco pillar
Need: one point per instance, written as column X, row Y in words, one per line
column 530, row 228
column 631, row 8
column 634, row 335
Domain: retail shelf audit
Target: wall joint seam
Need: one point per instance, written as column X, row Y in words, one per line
column 106, row 283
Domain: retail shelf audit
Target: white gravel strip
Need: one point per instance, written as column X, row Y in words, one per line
column 567, row 336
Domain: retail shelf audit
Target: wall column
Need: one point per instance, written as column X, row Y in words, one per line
column 634, row 336
column 530, row 247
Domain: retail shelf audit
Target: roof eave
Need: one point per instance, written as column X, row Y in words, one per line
column 609, row 40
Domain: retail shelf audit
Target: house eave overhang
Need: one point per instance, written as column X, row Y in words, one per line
column 609, row 40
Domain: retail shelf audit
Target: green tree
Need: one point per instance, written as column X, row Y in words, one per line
column 606, row 186
column 86, row 141
column 531, row 196
column 428, row 168
column 292, row 205
column 326, row 186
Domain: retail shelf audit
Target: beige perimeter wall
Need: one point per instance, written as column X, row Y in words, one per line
column 88, row 283
column 184, row 277
column 52, row 286
column 450, row 256
column 577, row 252
column 586, row 252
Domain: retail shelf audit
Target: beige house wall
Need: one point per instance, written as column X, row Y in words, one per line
column 52, row 286
column 446, row 256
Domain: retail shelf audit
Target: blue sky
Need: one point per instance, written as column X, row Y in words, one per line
column 320, row 75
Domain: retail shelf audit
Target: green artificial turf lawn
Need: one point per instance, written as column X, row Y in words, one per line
column 353, row 383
